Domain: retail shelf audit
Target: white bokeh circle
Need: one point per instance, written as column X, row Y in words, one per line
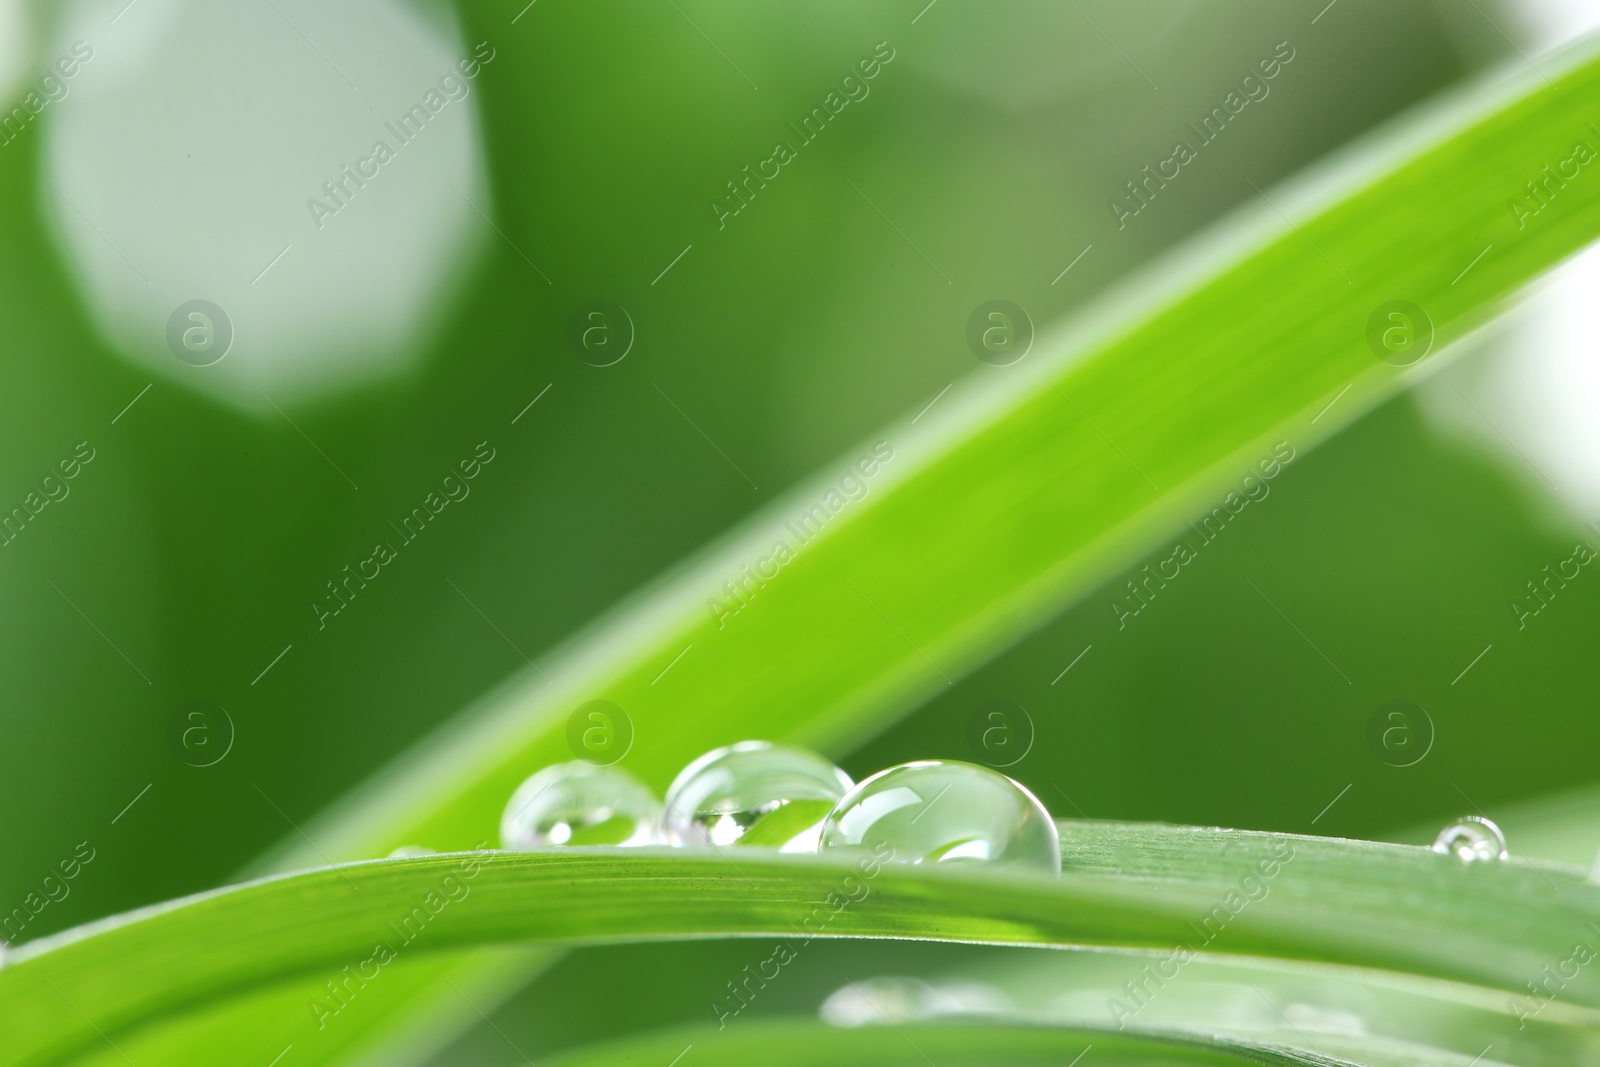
column 185, row 160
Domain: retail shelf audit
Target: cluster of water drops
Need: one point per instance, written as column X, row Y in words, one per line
column 759, row 794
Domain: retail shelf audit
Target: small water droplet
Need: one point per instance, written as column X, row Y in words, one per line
column 405, row 852
column 754, row 793
column 1471, row 839
column 580, row 804
column 944, row 811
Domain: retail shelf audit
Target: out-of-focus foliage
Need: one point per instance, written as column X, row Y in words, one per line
column 191, row 548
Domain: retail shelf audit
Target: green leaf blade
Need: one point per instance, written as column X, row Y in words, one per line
column 1134, row 888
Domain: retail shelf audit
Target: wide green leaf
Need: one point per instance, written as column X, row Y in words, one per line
column 1149, row 889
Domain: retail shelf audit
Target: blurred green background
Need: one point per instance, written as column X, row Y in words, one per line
column 188, row 552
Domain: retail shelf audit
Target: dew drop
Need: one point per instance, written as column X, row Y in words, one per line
column 754, row 793
column 944, row 811
column 1471, row 839
column 580, row 804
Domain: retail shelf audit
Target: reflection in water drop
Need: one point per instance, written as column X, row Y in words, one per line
column 580, row 803
column 1470, row 839
column 944, row 811
column 224, row 153
column 897, row 1000
column 754, row 793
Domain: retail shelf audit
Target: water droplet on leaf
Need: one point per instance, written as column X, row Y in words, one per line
column 580, row 804
column 944, row 811
column 1471, row 839
column 405, row 852
column 754, row 793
